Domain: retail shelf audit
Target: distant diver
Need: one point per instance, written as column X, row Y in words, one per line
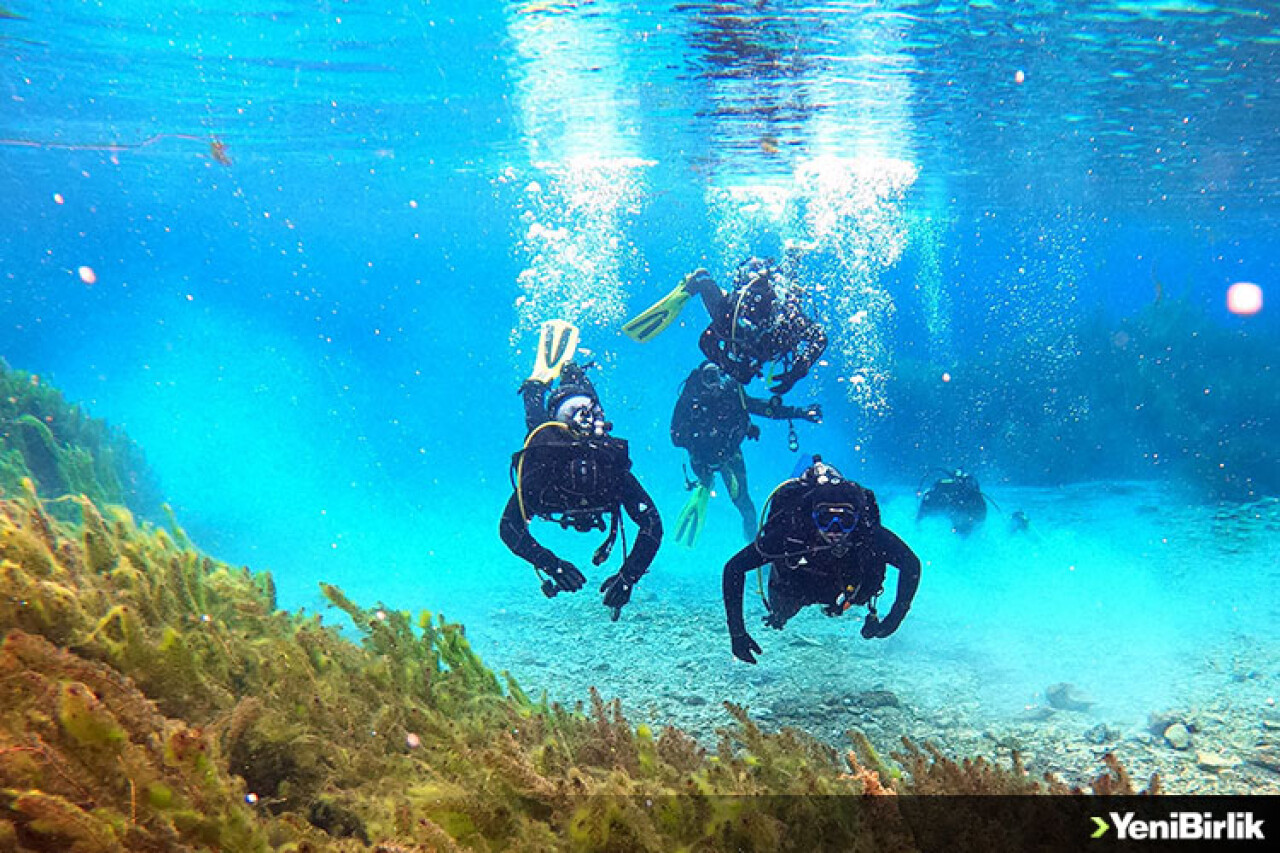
column 573, row 472
column 957, row 497
column 711, row 419
column 760, row 322
column 825, row 545
column 1018, row 522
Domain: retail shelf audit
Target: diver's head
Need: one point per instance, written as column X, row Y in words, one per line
column 754, row 298
column 712, row 377
column 835, row 522
column 821, row 474
column 580, row 411
column 754, row 271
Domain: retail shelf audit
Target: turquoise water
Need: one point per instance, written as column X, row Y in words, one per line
column 322, row 236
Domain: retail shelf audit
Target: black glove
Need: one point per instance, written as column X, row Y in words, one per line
column 784, row 383
column 565, row 575
column 617, row 589
column 743, row 646
column 812, row 413
column 531, row 383
column 874, row 629
column 753, row 432
column 697, row 279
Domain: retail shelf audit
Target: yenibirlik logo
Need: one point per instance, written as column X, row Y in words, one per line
column 1183, row 826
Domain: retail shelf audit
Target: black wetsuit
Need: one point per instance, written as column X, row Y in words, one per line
column 959, row 498
column 806, row 570
column 582, row 482
column 711, row 419
column 786, row 336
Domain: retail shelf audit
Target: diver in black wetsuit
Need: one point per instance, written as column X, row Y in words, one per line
column 711, row 419
column 760, row 321
column 825, row 544
column 958, row 497
column 573, row 472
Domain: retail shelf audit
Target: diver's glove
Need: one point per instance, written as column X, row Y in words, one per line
column 531, row 384
column 617, row 588
column 565, row 575
column 784, row 383
column 812, row 413
column 753, row 432
column 697, row 281
column 743, row 646
column 874, row 629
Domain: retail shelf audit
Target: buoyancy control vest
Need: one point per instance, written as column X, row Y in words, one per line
column 570, row 479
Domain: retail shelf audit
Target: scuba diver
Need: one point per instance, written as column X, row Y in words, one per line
column 759, row 322
column 573, row 472
column 1019, row 523
column 711, row 419
column 959, row 498
column 823, row 539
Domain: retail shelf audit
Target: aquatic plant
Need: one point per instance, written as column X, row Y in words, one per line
column 66, row 452
column 154, row 699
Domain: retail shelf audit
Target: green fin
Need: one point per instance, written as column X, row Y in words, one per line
column 647, row 325
column 689, row 522
column 731, row 483
column 556, row 347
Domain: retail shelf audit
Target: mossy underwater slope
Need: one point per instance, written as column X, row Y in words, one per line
column 154, row 699
column 63, row 450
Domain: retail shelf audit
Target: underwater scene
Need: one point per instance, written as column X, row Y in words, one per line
column 447, row 425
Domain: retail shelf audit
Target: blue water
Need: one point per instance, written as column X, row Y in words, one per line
column 317, row 343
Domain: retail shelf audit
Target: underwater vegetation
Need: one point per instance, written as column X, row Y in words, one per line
column 1167, row 389
column 155, row 699
column 66, row 452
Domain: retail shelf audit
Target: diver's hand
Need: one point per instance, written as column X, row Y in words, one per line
column 743, row 646
column 784, row 383
column 565, row 575
column 531, row 384
column 813, row 413
column 753, row 432
column 617, row 589
column 697, row 279
column 874, row 629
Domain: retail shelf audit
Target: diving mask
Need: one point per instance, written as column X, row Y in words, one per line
column 835, row 520
column 583, row 415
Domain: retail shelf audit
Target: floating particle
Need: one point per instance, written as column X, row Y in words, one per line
column 1019, row 76
column 87, row 275
column 58, row 199
column 946, row 377
column 1244, row 298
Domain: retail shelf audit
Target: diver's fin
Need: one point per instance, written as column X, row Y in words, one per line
column 556, row 347
column 731, row 483
column 689, row 522
column 649, row 323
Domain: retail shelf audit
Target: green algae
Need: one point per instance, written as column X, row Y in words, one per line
column 164, row 703
column 64, row 451
column 153, row 698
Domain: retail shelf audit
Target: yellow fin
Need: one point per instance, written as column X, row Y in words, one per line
column 651, row 322
column 556, row 346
